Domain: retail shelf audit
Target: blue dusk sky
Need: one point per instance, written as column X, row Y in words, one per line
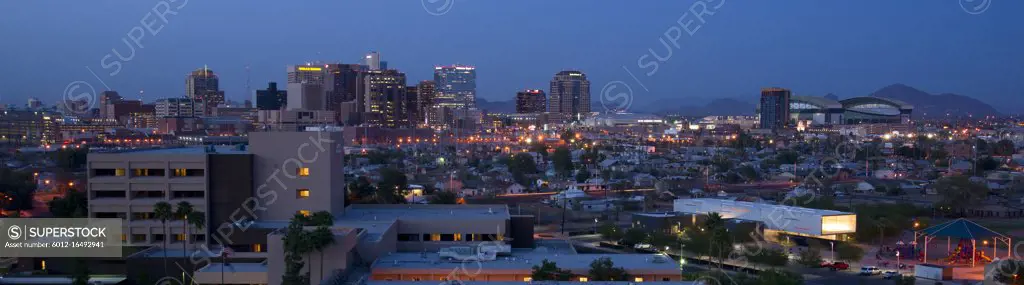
column 725, row 48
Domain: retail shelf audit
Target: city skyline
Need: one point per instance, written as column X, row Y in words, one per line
column 967, row 54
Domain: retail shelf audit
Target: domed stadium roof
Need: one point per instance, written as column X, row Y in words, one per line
column 808, row 102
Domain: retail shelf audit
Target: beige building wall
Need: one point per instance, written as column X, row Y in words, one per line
column 285, row 163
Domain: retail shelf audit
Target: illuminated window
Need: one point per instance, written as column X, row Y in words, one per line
column 179, row 237
column 435, row 237
column 120, row 172
column 304, row 213
column 179, row 172
column 584, row 279
column 302, row 171
column 527, row 279
column 257, row 248
column 302, row 193
column 458, row 237
column 638, row 279
column 124, row 237
column 42, row 264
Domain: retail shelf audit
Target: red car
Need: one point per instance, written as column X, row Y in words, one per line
column 835, row 266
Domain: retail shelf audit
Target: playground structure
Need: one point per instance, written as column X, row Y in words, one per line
column 969, row 233
column 962, row 253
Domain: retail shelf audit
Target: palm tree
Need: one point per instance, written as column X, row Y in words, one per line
column 197, row 220
column 162, row 211
column 714, row 221
column 184, row 209
column 320, row 239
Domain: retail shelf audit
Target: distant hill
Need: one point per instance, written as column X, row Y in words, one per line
column 496, row 106
column 936, row 106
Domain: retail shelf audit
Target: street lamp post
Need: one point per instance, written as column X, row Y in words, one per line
column 897, row 262
column 595, row 225
column 832, row 250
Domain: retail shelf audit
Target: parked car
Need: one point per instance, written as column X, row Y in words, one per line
column 870, row 270
column 840, row 266
column 890, row 274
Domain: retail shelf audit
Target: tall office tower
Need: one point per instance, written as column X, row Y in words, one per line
column 425, row 91
column 271, row 98
column 774, row 108
column 570, row 94
column 34, row 103
column 385, row 99
column 344, row 83
column 106, row 99
column 456, row 86
column 372, row 60
column 412, row 103
column 204, row 85
column 306, row 88
column 531, row 101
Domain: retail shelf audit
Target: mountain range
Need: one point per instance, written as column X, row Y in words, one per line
column 928, row 106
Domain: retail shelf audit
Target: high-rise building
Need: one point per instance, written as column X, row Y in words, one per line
column 306, row 87
column 106, row 99
column 531, row 101
column 271, row 98
column 204, row 85
column 344, row 83
column 456, row 86
column 412, row 103
column 570, row 94
column 372, row 61
column 425, row 92
column 385, row 99
column 774, row 108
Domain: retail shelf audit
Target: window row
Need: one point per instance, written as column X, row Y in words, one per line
column 149, row 172
column 449, row 237
column 148, row 194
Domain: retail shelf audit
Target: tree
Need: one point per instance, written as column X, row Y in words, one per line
column 549, row 271
column 810, row 257
column 184, row 210
column 662, row 239
column 80, row 276
column 562, row 160
column 767, row 256
column 360, row 190
column 297, row 242
column 849, row 252
column 609, row 231
column 634, row 236
column 321, row 238
column 602, row 269
column 162, row 211
column 582, row 175
column 444, row 197
column 1009, row 271
column 391, row 185
column 521, row 164
column 959, row 192
column 788, row 157
column 986, row 163
column 714, row 221
column 72, row 205
column 198, row 221
column 1004, row 147
column 779, row 277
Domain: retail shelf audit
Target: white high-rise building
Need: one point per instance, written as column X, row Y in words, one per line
column 306, row 88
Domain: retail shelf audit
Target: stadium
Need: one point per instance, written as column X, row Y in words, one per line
column 857, row 110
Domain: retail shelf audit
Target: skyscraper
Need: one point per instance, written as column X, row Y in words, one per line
column 425, row 92
column 204, row 85
column 412, row 103
column 570, row 94
column 306, row 88
column 372, row 61
column 271, row 98
column 344, row 83
column 774, row 108
column 531, row 101
column 385, row 99
column 455, row 90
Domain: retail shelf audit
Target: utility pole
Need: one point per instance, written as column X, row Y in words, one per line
column 565, row 199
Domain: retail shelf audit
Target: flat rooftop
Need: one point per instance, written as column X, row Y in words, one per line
column 534, row 283
column 523, row 262
column 235, row 267
column 382, row 212
column 221, row 149
column 729, row 205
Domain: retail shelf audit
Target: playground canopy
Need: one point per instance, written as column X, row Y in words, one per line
column 963, row 229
